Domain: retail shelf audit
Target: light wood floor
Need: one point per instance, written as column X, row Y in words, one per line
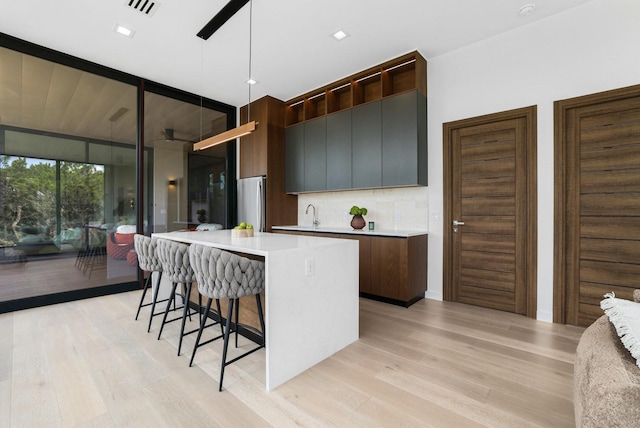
column 88, row 363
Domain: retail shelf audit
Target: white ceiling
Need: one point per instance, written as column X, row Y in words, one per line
column 292, row 51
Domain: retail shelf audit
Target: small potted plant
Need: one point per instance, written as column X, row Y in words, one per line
column 202, row 215
column 357, row 222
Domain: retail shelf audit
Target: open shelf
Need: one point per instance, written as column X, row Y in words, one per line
column 295, row 113
column 399, row 78
column 367, row 88
column 402, row 74
column 339, row 98
column 315, row 106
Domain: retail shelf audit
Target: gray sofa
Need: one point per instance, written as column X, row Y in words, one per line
column 606, row 379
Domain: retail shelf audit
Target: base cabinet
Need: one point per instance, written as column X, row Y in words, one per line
column 392, row 269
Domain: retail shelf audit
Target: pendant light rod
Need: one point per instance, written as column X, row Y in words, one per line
column 250, row 43
column 248, row 127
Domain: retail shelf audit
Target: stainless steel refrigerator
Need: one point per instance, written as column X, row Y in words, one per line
column 251, row 202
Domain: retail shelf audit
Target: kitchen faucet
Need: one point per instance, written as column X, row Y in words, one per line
column 315, row 219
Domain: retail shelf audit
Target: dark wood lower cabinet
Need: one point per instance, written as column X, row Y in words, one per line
column 392, row 269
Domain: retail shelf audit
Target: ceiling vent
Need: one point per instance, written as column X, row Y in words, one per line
column 146, row 7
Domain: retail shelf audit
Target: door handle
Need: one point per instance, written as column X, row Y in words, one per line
column 458, row 223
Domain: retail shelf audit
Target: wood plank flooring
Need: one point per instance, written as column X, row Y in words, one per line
column 435, row 364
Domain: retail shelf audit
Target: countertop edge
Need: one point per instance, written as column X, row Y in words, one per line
column 347, row 231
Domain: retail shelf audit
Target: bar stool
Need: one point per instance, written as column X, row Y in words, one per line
column 224, row 275
column 145, row 248
column 174, row 257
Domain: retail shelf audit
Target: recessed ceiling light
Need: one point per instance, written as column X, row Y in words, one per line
column 251, row 81
column 124, row 31
column 339, row 35
column 526, row 9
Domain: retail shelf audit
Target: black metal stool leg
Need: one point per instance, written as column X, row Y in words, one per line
column 166, row 311
column 155, row 299
column 186, row 294
column 144, row 293
column 226, row 342
column 204, row 321
column 220, row 316
column 185, row 311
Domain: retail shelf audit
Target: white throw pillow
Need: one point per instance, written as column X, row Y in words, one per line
column 625, row 317
column 209, row 226
column 126, row 228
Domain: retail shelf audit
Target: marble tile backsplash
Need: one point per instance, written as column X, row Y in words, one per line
column 403, row 208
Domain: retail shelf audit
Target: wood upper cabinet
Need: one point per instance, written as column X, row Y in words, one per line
column 263, row 153
column 254, row 148
column 405, row 73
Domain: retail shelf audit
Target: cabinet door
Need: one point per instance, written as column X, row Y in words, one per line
column 403, row 139
column 294, row 159
column 367, row 145
column 253, row 147
column 389, row 266
column 339, row 150
column 315, row 154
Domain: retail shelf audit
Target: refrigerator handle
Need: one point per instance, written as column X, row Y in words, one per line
column 260, row 207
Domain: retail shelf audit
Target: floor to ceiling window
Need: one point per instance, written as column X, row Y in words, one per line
column 73, row 186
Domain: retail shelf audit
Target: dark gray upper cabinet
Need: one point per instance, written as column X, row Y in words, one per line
column 339, row 150
column 315, row 154
column 294, row 159
column 381, row 143
column 404, row 140
column 366, row 145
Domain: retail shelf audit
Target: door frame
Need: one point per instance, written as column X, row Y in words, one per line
column 531, row 162
column 562, row 293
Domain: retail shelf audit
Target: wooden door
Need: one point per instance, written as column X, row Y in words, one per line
column 490, row 189
column 597, row 202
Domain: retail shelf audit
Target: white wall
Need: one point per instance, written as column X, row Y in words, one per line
column 591, row 48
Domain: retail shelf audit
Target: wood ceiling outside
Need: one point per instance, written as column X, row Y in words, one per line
column 42, row 95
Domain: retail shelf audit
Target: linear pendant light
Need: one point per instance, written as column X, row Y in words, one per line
column 223, row 137
column 248, row 127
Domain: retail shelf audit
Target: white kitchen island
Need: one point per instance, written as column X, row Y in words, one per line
column 311, row 295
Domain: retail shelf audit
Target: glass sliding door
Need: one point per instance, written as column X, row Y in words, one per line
column 189, row 188
column 67, row 180
column 73, row 184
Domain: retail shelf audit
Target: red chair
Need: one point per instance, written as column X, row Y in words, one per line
column 119, row 245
